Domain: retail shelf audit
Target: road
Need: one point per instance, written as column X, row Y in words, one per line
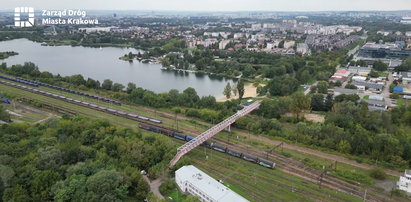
column 155, row 186
column 306, row 92
column 386, row 91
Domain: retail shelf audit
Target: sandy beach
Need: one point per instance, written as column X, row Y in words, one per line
column 249, row 91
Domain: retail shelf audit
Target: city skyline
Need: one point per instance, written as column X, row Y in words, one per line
column 217, row 5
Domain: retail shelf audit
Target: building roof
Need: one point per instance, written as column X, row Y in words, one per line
column 368, row 84
column 208, row 185
column 339, row 91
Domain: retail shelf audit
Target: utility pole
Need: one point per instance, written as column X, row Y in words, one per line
column 365, row 195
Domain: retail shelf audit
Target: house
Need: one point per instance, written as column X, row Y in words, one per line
column 340, row 75
column 370, row 85
column 193, row 181
column 361, row 71
column 345, row 91
column 376, row 105
column 405, row 77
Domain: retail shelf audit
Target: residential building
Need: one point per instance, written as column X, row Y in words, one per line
column 303, row 49
column 376, row 105
column 193, row 181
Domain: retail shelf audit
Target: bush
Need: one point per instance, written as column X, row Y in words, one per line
column 395, row 96
column 355, row 177
column 378, row 173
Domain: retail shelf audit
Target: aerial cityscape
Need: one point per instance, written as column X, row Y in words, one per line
column 214, row 101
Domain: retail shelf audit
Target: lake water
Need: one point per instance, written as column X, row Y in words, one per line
column 103, row 64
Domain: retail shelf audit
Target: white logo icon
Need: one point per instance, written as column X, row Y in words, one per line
column 23, row 23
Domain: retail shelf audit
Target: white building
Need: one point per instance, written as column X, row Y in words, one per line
column 405, row 182
column 223, row 44
column 303, row 49
column 194, row 181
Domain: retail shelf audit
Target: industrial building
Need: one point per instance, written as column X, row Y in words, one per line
column 193, row 181
column 383, row 51
column 404, row 183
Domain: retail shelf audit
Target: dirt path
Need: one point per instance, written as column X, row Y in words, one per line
column 321, row 154
column 155, row 186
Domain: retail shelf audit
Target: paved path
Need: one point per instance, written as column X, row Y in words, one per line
column 386, row 91
column 155, row 186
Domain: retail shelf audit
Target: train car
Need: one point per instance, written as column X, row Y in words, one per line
column 132, row 115
column 218, row 147
column 206, row 144
column 143, row 118
column 179, row 136
column 233, row 153
column 111, row 110
column 102, row 108
column 155, row 120
column 143, row 126
column 189, row 138
column 266, row 163
column 121, row 113
column 250, row 158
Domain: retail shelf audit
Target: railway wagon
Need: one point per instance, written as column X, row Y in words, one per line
column 18, row 79
column 189, row 138
column 266, row 163
column 250, row 158
column 218, row 147
column 234, row 153
column 179, row 136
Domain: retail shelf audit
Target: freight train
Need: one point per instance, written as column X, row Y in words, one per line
column 211, row 145
column 131, row 116
column 36, row 84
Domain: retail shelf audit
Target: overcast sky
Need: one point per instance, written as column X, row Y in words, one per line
column 213, row 5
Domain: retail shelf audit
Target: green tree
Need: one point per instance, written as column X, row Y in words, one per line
column 6, row 173
column 240, row 89
column 107, row 84
column 4, row 115
column 16, row 193
column 106, row 185
column 117, row 87
column 344, row 147
column 131, row 87
column 322, row 87
column 227, row 91
column 317, row 102
column 299, row 104
column 380, row 66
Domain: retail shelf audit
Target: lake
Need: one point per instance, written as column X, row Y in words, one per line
column 103, row 63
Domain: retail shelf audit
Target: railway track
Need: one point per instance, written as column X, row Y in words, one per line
column 297, row 168
column 262, row 179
